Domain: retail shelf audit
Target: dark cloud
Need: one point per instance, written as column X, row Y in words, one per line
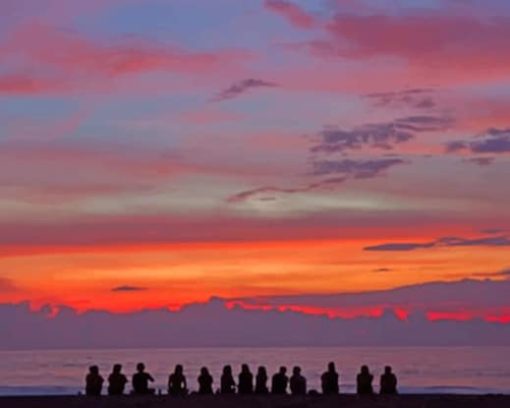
column 246, row 195
column 240, row 87
column 379, row 135
column 400, row 246
column 382, row 270
column 229, row 323
column 345, row 170
column 414, row 98
column 355, row 169
column 493, row 141
column 128, row 288
column 492, row 241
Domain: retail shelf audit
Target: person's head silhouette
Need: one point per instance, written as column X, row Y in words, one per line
column 331, row 367
column 178, row 369
column 296, row 370
column 245, row 368
column 227, row 370
column 387, row 370
column 283, row 370
column 94, row 369
column 140, row 367
column 364, row 370
column 117, row 368
column 262, row 370
column 204, row 371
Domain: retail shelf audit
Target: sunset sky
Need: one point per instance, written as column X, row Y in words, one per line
column 157, row 153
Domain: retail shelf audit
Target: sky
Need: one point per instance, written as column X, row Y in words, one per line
column 159, row 153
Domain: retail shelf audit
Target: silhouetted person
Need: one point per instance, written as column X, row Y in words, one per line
column 141, row 379
column 116, row 381
column 388, row 382
column 329, row 380
column 245, row 385
column 228, row 385
column 279, row 382
column 364, row 382
column 261, row 381
column 297, row 382
column 177, row 382
column 205, row 382
column 93, row 382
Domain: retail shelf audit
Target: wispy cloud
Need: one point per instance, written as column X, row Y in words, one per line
column 241, row 87
column 291, row 12
column 414, row 98
column 379, row 135
column 491, row 241
column 493, row 141
column 128, row 288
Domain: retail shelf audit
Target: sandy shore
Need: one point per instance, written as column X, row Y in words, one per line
column 347, row 401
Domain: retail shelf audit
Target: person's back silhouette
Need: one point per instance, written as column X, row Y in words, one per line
column 93, row 382
column 228, row 385
column 329, row 380
column 245, row 384
column 364, row 381
column 297, row 382
column 177, row 382
column 140, row 381
column 388, row 382
column 116, row 381
column 279, row 381
column 205, row 382
column 261, row 381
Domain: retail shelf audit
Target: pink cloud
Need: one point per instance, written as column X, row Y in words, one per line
column 72, row 59
column 17, row 84
column 428, row 41
column 294, row 14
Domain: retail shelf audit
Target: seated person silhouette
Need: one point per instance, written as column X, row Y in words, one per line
column 116, row 381
column 140, row 381
column 205, row 382
column 261, row 381
column 364, row 382
column 329, row 380
column 177, row 382
column 245, row 385
column 279, row 382
column 228, row 385
column 297, row 382
column 93, row 382
column 388, row 382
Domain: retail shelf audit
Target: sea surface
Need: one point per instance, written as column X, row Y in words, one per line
column 420, row 370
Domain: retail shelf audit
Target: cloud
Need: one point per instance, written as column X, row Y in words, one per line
column 242, row 87
column 382, row 270
column 69, row 59
column 492, row 241
column 414, row 98
column 426, row 40
column 246, row 195
column 493, row 141
column 381, row 135
column 128, row 288
column 294, row 14
column 355, row 169
column 471, row 313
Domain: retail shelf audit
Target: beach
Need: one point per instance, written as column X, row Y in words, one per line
column 234, row 401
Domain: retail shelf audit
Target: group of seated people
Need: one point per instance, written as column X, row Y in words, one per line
column 177, row 385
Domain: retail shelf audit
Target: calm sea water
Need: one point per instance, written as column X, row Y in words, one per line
column 422, row 370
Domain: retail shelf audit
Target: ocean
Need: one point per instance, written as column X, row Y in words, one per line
column 467, row 370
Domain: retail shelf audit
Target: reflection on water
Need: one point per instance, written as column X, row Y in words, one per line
column 444, row 370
